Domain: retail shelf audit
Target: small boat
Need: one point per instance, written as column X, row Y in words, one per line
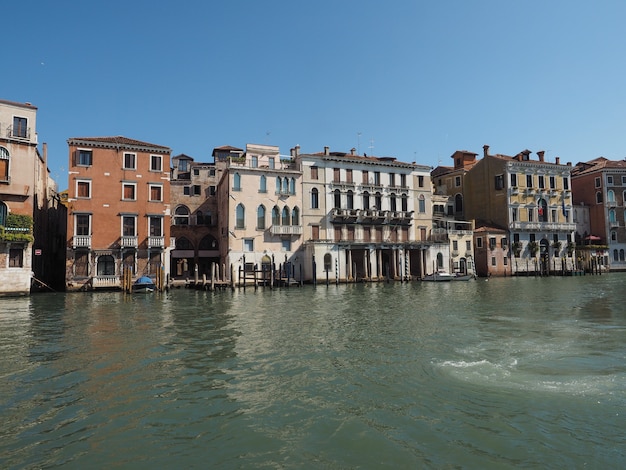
column 144, row 284
column 439, row 276
column 463, row 277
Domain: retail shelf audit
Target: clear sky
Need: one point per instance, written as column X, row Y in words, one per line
column 415, row 80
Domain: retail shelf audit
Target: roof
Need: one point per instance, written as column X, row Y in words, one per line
column 21, row 105
column 118, row 142
column 597, row 165
column 364, row 159
column 485, row 228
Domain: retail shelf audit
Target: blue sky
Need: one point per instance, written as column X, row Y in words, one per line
column 416, row 80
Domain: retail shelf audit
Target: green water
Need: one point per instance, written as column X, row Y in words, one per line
column 505, row 373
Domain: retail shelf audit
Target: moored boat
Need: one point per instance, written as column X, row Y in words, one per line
column 144, row 284
column 439, row 276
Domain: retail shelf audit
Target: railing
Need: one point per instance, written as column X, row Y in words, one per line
column 286, row 229
column 21, row 135
column 128, row 242
column 542, row 226
column 82, row 241
column 156, row 242
column 104, row 282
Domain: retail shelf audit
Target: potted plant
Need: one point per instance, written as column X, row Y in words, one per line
column 533, row 248
column 571, row 246
column 517, row 249
column 557, row 247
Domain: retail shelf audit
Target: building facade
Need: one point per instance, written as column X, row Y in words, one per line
column 529, row 198
column 31, row 218
column 193, row 200
column 260, row 212
column 118, row 211
column 364, row 218
column 600, row 184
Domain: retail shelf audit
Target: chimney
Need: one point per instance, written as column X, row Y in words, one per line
column 326, row 150
column 297, row 149
column 558, row 160
column 352, row 151
column 485, row 150
column 540, row 154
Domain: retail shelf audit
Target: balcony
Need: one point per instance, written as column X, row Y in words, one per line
column 21, row 133
column 128, row 242
column 81, row 241
column 548, row 226
column 105, row 282
column 286, row 229
column 156, row 242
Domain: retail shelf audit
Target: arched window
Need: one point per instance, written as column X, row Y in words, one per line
column 621, row 255
column 275, row 216
column 240, row 216
column 328, row 262
column 295, row 216
column 378, row 201
column 392, row 202
column 260, row 217
column 208, row 218
column 3, row 213
column 542, row 210
column 292, row 186
column 279, row 183
column 615, row 255
column 208, row 242
column 4, row 164
column 236, row 182
column 337, row 195
column 610, row 196
column 366, row 200
column 612, row 218
column 285, row 186
column 458, row 203
column 263, row 184
column 315, row 201
column 405, row 202
column 285, row 216
column 106, row 265
column 181, row 215
column 350, row 200
column 439, row 261
column 599, row 199
column 183, row 243
column 422, row 204
column 199, row 218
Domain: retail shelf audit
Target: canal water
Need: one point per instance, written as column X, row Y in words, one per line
column 504, row 373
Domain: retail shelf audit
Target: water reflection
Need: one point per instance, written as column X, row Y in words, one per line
column 504, row 373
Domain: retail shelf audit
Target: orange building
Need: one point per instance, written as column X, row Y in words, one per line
column 118, row 211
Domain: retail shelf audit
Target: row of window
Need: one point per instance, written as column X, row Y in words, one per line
column 182, row 216
column 346, row 201
column 284, row 185
column 609, row 180
column 84, row 157
column 279, row 217
column 530, row 181
column 544, row 214
column 128, row 224
column 610, row 197
column 367, row 177
column 129, row 190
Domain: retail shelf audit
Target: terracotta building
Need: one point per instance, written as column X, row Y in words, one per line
column 600, row 185
column 119, row 211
